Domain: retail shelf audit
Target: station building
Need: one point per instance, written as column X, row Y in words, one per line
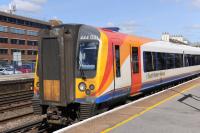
column 174, row 38
column 19, row 34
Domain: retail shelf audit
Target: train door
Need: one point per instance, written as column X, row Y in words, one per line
column 135, row 70
column 117, row 66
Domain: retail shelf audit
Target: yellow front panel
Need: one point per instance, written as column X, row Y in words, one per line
column 101, row 65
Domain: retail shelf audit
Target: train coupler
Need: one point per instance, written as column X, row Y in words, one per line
column 54, row 116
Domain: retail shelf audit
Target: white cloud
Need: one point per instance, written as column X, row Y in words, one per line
column 3, row 7
column 128, row 27
column 110, row 24
column 192, row 28
column 196, row 3
column 26, row 5
column 39, row 1
column 196, row 26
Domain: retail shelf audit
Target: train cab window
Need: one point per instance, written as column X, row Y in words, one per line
column 135, row 63
column 117, row 61
column 88, row 55
column 149, row 61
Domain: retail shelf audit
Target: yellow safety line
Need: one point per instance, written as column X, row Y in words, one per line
column 146, row 110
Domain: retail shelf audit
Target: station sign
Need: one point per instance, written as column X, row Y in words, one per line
column 17, row 56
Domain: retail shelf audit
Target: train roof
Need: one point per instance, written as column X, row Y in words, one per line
column 163, row 46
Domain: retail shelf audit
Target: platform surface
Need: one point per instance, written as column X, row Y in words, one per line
column 179, row 115
column 171, row 111
column 16, row 77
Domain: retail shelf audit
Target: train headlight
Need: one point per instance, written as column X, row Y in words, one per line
column 82, row 86
column 87, row 92
column 91, row 87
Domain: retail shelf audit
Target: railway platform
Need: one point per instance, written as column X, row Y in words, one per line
column 16, row 77
column 170, row 111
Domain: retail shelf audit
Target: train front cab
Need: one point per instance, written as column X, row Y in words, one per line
column 68, row 76
column 81, row 67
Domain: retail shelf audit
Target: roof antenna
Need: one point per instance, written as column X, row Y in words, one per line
column 12, row 8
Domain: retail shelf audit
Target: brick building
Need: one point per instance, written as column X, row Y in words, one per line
column 19, row 34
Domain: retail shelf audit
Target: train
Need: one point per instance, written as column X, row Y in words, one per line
column 82, row 69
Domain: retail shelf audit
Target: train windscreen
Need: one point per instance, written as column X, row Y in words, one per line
column 88, row 55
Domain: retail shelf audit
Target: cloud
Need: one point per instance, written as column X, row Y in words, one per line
column 39, row 1
column 110, row 24
column 128, row 27
column 192, row 28
column 25, row 5
column 3, row 7
column 195, row 27
column 196, row 3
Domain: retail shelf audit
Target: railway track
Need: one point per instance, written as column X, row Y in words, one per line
column 38, row 126
column 16, row 104
column 7, row 119
column 15, row 97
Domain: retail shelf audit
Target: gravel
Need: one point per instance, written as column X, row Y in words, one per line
column 19, row 122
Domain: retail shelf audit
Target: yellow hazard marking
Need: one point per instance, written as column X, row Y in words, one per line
column 147, row 109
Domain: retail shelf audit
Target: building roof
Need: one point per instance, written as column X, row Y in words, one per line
column 24, row 18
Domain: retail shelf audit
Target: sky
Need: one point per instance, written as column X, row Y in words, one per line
column 148, row 18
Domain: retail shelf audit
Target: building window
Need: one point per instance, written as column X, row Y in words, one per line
column 23, row 22
column 3, row 51
column 21, row 42
column 3, row 28
column 21, row 31
column 12, row 30
column 23, row 52
column 35, row 52
column 13, row 41
column 32, row 33
column 32, row 43
column 17, row 31
column 32, row 52
column 14, row 50
column 3, row 40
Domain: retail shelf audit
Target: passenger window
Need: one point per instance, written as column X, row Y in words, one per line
column 161, row 64
column 149, row 61
column 178, row 60
column 117, row 61
column 135, row 63
column 170, row 61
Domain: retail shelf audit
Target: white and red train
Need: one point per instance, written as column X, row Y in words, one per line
column 86, row 68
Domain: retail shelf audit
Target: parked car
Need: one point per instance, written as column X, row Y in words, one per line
column 9, row 71
column 25, row 69
column 1, row 70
